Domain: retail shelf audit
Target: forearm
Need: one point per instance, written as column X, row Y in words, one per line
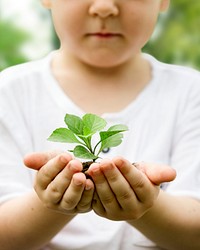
column 26, row 224
column 173, row 223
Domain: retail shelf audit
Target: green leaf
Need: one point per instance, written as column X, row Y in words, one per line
column 82, row 152
column 118, row 127
column 74, row 123
column 106, row 134
column 63, row 135
column 92, row 124
column 87, row 131
column 112, row 131
column 111, row 141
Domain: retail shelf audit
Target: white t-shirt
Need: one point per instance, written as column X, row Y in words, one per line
column 164, row 127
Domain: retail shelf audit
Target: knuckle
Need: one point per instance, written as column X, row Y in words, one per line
column 45, row 173
column 54, row 193
column 125, row 196
column 139, row 184
column 113, row 178
column 68, row 204
column 107, row 199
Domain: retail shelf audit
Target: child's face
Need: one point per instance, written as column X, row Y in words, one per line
column 104, row 33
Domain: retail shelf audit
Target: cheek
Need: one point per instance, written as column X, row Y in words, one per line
column 67, row 23
column 140, row 28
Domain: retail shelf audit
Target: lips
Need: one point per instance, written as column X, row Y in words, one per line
column 104, row 35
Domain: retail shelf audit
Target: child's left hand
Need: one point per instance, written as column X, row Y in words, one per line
column 125, row 191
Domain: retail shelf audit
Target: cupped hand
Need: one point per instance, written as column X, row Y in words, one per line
column 59, row 182
column 125, row 191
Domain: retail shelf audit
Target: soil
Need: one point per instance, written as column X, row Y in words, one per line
column 86, row 165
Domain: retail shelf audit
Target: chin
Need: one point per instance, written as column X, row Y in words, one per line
column 105, row 63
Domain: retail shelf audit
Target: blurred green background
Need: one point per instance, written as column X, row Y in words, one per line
column 176, row 39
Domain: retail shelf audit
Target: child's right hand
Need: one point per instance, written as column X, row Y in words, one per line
column 59, row 183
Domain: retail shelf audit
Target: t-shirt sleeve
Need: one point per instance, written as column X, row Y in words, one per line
column 185, row 153
column 15, row 178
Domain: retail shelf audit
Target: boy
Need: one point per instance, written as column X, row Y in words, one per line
column 100, row 69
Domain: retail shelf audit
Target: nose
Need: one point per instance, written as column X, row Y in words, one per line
column 104, row 8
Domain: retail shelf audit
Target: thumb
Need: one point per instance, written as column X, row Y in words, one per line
column 157, row 173
column 37, row 159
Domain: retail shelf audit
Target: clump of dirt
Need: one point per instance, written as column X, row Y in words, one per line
column 86, row 165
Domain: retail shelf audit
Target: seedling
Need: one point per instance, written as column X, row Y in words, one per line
column 81, row 131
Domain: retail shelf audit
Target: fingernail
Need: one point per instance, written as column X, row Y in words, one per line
column 77, row 182
column 138, row 166
column 135, row 164
column 87, row 187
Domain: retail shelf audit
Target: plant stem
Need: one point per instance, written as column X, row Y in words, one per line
column 96, row 148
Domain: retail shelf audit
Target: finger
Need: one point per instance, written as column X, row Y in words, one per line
column 38, row 159
column 103, row 189
column 73, row 194
column 145, row 191
column 121, row 188
column 85, row 203
column 157, row 173
column 53, row 167
column 97, row 206
column 58, row 184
